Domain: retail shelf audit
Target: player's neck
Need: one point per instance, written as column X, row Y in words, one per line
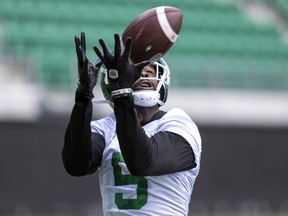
column 146, row 113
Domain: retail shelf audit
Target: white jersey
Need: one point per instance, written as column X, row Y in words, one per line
column 124, row 194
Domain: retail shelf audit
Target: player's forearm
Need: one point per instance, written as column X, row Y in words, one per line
column 163, row 153
column 131, row 136
column 76, row 152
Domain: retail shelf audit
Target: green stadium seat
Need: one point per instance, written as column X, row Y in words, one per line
column 218, row 45
column 282, row 5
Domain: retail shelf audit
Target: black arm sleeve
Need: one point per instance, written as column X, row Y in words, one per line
column 82, row 151
column 163, row 153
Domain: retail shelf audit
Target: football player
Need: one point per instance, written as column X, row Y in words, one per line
column 147, row 159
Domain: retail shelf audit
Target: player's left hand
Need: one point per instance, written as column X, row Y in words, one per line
column 121, row 73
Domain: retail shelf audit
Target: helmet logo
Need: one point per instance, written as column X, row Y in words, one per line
column 113, row 74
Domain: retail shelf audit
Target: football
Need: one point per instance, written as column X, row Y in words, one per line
column 153, row 33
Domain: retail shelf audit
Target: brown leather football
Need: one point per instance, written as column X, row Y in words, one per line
column 153, row 32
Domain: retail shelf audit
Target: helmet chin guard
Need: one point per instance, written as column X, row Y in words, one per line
column 146, row 98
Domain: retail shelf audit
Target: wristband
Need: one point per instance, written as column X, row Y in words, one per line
column 121, row 92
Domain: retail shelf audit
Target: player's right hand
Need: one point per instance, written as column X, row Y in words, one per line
column 121, row 72
column 87, row 72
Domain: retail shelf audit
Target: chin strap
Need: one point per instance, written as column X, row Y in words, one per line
column 146, row 98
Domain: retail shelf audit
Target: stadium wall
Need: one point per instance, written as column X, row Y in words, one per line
column 244, row 169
